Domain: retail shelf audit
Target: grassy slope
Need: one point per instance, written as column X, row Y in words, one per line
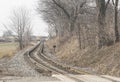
column 7, row 49
column 105, row 60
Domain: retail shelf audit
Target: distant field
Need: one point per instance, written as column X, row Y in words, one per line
column 8, row 49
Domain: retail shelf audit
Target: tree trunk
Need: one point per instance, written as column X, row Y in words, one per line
column 79, row 36
column 102, row 36
column 116, row 21
column 101, row 30
column 20, row 45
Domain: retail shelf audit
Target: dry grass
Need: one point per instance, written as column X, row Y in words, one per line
column 8, row 49
column 51, row 42
column 105, row 60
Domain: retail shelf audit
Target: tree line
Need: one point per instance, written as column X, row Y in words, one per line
column 94, row 22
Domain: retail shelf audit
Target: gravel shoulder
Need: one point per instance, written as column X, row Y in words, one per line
column 17, row 66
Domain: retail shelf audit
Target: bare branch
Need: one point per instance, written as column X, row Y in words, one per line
column 107, row 4
column 61, row 7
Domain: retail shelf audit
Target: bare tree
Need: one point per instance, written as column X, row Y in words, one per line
column 21, row 25
column 102, row 35
column 63, row 15
column 116, row 21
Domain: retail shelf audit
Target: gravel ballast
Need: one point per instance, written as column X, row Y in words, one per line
column 17, row 66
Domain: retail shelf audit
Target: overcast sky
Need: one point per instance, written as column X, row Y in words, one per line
column 7, row 7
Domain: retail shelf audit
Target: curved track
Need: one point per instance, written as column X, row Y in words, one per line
column 43, row 64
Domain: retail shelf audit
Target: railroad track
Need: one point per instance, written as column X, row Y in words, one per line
column 42, row 65
column 45, row 65
column 33, row 62
column 40, row 58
